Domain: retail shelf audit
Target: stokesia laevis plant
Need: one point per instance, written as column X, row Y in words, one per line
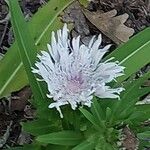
column 75, row 72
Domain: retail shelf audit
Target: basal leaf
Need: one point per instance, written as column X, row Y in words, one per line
column 86, row 145
column 56, row 147
column 145, row 108
column 41, row 25
column 27, row 49
column 61, row 138
column 40, row 127
column 123, row 108
column 98, row 112
column 90, row 117
column 135, row 90
column 134, row 54
column 108, row 113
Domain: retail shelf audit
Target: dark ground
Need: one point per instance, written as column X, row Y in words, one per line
column 16, row 108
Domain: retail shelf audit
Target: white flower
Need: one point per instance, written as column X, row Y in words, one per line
column 75, row 72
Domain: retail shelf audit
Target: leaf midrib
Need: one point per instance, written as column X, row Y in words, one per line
column 129, row 56
column 27, row 56
column 11, row 77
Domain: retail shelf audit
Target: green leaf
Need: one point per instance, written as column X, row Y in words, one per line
column 144, row 135
column 56, row 147
column 26, row 147
column 41, row 25
column 61, row 138
column 144, row 108
column 134, row 54
column 133, row 89
column 97, row 110
column 40, row 127
column 90, row 117
column 108, row 113
column 26, row 48
column 130, row 96
column 98, row 113
column 102, row 144
column 136, row 117
column 86, row 145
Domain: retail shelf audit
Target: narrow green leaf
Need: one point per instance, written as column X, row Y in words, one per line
column 144, row 136
column 40, row 127
column 129, row 54
column 86, row 145
column 98, row 112
column 108, row 113
column 61, row 138
column 145, row 108
column 133, row 88
column 56, row 147
column 131, row 95
column 126, row 113
column 137, row 116
column 27, row 49
column 90, row 117
column 41, row 25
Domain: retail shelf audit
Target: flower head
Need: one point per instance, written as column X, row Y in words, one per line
column 75, row 72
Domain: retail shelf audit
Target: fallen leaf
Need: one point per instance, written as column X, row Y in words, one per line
column 19, row 101
column 130, row 142
column 74, row 14
column 111, row 25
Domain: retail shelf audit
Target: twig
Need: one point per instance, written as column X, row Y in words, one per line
column 3, row 35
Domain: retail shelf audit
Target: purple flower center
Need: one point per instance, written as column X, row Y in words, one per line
column 75, row 84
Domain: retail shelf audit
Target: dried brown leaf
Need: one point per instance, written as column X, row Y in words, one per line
column 130, row 142
column 111, row 25
column 74, row 14
column 19, row 102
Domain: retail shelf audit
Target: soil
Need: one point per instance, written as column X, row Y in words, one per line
column 16, row 107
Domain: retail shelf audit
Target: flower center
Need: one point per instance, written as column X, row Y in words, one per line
column 75, row 84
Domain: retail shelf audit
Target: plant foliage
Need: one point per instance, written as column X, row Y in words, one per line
column 99, row 127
